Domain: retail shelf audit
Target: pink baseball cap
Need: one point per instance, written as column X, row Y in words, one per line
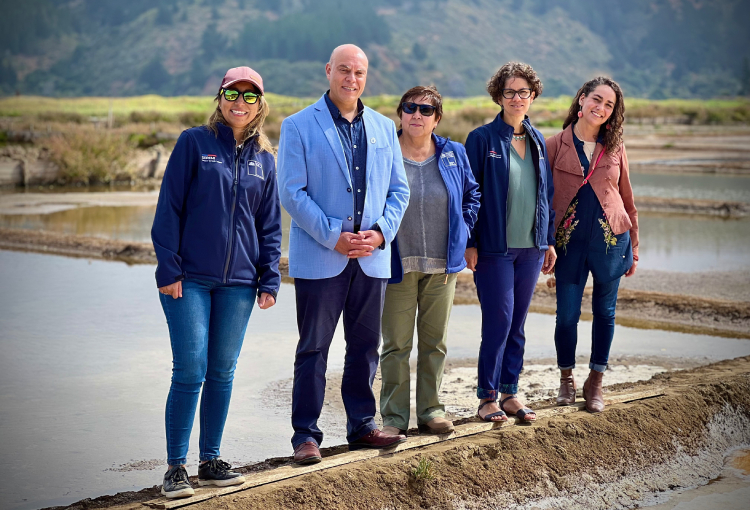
column 244, row 73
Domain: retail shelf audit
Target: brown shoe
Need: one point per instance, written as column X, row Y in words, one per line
column 567, row 393
column 437, row 425
column 592, row 392
column 377, row 439
column 307, row 453
column 393, row 431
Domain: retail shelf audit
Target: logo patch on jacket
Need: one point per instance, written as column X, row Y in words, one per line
column 209, row 158
column 255, row 168
column 493, row 154
column 450, row 158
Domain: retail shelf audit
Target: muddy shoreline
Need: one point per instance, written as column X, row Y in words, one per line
column 645, row 307
column 668, row 432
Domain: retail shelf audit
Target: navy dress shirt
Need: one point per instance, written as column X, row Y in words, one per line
column 354, row 142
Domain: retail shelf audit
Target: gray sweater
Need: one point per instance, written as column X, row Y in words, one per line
column 423, row 235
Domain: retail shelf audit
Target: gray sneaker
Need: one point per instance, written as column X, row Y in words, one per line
column 217, row 472
column 176, row 483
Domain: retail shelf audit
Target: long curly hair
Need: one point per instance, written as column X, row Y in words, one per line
column 254, row 128
column 613, row 135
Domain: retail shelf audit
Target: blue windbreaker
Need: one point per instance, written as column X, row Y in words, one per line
column 463, row 205
column 218, row 217
column 488, row 148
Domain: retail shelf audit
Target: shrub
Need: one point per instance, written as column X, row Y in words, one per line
column 66, row 117
column 148, row 116
column 192, row 119
column 424, row 471
column 89, row 156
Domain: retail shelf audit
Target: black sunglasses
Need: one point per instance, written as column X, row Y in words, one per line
column 425, row 109
column 232, row 95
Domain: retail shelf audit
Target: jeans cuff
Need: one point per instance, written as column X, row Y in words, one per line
column 177, row 462
column 571, row 367
column 205, row 458
column 483, row 394
column 509, row 389
column 597, row 367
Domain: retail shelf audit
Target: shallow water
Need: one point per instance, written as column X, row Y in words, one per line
column 86, row 366
column 732, row 188
column 668, row 242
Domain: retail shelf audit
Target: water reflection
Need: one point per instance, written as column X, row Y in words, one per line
column 733, row 188
column 86, row 366
column 693, row 243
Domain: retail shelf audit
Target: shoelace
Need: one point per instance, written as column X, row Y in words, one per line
column 179, row 475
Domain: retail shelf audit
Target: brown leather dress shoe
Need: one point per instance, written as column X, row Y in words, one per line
column 377, row 439
column 307, row 453
column 437, row 425
column 567, row 393
column 592, row 392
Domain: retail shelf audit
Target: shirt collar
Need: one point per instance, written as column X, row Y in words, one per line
column 336, row 113
column 578, row 141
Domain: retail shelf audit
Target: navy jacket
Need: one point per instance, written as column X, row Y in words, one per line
column 488, row 148
column 218, row 217
column 463, row 205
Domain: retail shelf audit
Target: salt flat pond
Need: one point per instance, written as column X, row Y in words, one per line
column 86, row 366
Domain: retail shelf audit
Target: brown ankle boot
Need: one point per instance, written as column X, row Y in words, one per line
column 592, row 392
column 567, row 394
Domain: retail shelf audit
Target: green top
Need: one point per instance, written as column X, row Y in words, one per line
column 521, row 199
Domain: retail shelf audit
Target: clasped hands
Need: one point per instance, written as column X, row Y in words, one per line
column 360, row 244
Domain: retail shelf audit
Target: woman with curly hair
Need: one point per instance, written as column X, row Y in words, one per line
column 217, row 238
column 513, row 238
column 596, row 228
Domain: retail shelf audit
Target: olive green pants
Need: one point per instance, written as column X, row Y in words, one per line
column 428, row 298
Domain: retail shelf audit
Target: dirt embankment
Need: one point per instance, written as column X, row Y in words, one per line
column 672, row 431
column 636, row 307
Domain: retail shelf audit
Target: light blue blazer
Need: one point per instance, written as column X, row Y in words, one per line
column 316, row 190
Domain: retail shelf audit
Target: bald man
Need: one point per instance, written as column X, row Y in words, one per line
column 342, row 180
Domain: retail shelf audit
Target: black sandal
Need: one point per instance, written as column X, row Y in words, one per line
column 488, row 417
column 521, row 413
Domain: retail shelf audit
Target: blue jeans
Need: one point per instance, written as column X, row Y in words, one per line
column 206, row 328
column 604, row 302
column 505, row 284
column 320, row 304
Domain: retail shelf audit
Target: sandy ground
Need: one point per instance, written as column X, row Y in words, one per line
column 695, row 428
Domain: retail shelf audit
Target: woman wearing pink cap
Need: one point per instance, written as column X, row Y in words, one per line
column 217, row 238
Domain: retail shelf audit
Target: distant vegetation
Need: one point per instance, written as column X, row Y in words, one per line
column 90, row 146
column 655, row 48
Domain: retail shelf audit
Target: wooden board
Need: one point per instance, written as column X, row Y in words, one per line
column 467, row 429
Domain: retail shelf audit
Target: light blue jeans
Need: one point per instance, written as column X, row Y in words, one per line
column 206, row 328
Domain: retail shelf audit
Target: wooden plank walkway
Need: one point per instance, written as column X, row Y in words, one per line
column 467, row 429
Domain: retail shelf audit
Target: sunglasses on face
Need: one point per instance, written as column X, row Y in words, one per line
column 232, row 95
column 425, row 109
column 510, row 93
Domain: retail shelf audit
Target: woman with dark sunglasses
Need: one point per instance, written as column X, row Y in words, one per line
column 597, row 229
column 217, row 238
column 514, row 236
column 427, row 254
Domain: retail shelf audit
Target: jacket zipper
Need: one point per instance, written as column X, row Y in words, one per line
column 448, row 250
column 238, row 151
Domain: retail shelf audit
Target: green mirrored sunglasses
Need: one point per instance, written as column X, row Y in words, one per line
column 232, row 95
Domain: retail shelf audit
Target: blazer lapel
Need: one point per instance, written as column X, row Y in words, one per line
column 370, row 130
column 323, row 116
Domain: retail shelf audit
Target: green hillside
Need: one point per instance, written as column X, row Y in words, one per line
column 655, row 48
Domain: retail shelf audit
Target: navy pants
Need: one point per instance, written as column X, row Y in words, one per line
column 505, row 284
column 319, row 307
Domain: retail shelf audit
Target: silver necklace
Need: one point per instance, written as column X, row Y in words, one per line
column 591, row 154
